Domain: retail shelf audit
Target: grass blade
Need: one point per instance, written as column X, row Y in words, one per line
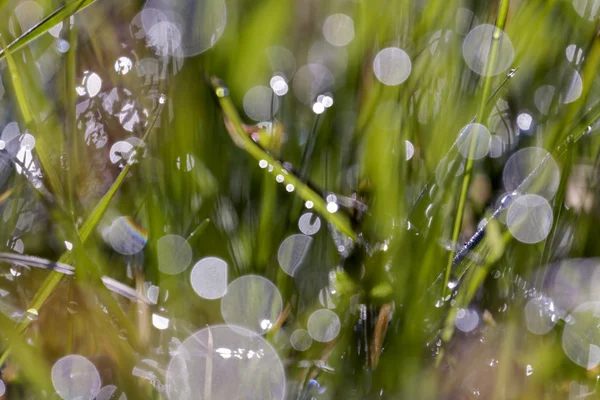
column 241, row 139
column 45, row 25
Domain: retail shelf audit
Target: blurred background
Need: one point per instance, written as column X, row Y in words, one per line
column 375, row 199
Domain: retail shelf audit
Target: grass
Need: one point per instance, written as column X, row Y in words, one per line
column 376, row 260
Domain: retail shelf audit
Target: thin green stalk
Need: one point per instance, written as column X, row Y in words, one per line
column 243, row 140
column 61, row 14
column 30, row 120
column 72, row 140
column 487, row 86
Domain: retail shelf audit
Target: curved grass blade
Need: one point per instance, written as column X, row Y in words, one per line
column 45, row 25
column 241, row 139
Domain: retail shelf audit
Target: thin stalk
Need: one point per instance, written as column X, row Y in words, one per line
column 243, row 140
column 487, row 86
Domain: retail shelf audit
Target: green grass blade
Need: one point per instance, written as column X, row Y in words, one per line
column 45, row 25
column 243, row 140
column 487, row 87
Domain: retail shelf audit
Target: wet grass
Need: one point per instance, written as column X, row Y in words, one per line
column 376, row 261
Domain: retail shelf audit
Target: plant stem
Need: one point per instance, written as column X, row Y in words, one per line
column 487, row 85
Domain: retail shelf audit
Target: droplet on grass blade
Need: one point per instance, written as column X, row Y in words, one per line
column 225, row 362
column 477, row 49
column 209, row 278
column 323, row 325
column 392, row 66
column 75, row 377
column 253, row 302
column 174, row 254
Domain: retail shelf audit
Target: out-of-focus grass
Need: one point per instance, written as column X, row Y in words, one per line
column 398, row 337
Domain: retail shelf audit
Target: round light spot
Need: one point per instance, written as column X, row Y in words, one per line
column 62, row 46
column 309, row 224
column 531, row 170
column 75, row 377
column 227, row 362
column 540, row 315
column 477, row 50
column 200, row 23
column 474, row 135
column 310, row 81
column 282, row 61
column 327, row 101
column 524, row 121
column 292, row 252
column 338, row 29
column 587, row 9
column 209, row 278
column 318, row 108
column 93, row 84
column 323, row 325
column 126, row 236
column 165, row 37
column 529, row 218
column 121, row 153
column 279, row 85
column 308, row 204
column 123, row 65
column 174, row 254
column 253, row 302
column 581, row 338
column 260, row 103
column 300, row 339
column 332, row 207
column 392, row 66
column 410, row 150
column 466, row 319
column 106, row 393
